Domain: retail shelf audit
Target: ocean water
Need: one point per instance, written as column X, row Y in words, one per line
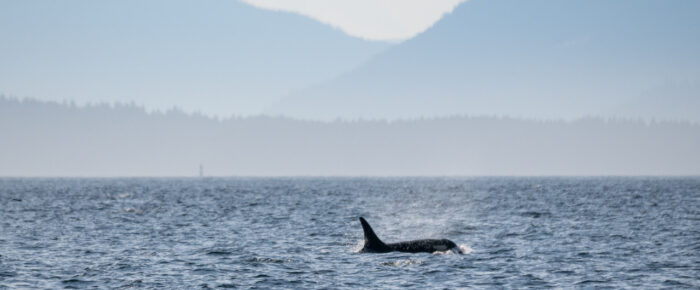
column 304, row 232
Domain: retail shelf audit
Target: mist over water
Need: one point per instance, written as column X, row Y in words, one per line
column 304, row 232
column 50, row 139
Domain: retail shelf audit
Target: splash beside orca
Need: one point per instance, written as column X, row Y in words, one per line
column 374, row 245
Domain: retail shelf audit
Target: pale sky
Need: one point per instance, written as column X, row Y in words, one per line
column 369, row 19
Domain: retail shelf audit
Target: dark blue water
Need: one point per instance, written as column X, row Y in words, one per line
column 304, row 233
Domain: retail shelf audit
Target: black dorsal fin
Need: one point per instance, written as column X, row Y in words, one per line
column 372, row 242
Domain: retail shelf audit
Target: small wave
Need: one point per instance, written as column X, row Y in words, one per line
column 74, row 281
column 269, row 260
column 463, row 231
column 401, row 263
column 4, row 274
column 500, row 251
column 675, row 283
column 219, row 253
column 592, row 281
column 534, row 214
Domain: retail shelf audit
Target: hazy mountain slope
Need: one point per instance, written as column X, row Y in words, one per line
column 49, row 139
column 220, row 56
column 671, row 101
column 538, row 58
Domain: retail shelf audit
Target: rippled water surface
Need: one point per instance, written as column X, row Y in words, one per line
column 305, row 233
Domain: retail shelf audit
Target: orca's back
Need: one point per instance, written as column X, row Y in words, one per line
column 427, row 246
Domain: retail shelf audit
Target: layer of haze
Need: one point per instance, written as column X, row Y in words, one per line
column 49, row 139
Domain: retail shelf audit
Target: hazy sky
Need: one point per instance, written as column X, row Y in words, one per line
column 369, row 19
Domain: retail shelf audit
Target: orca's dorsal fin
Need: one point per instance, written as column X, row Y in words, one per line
column 372, row 242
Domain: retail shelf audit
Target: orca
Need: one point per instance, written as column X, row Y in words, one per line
column 374, row 245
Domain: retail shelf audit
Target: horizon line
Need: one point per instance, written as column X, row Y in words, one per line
column 314, row 176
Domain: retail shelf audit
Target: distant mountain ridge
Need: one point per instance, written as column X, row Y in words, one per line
column 538, row 59
column 220, row 57
column 52, row 139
